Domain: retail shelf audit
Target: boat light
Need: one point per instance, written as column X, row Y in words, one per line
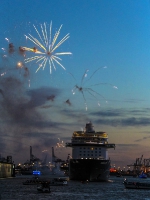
column 36, row 172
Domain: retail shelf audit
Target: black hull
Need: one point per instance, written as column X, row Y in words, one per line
column 89, row 169
column 136, row 185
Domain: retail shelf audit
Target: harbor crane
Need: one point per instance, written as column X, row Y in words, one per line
column 137, row 165
column 54, row 158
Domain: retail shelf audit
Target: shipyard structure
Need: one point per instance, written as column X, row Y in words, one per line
column 7, row 167
column 90, row 159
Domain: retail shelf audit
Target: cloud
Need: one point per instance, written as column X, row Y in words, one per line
column 142, row 139
column 123, row 117
column 21, row 113
column 127, row 145
column 20, row 106
column 109, row 113
column 39, row 96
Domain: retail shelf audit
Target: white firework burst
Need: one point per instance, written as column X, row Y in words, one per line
column 46, row 47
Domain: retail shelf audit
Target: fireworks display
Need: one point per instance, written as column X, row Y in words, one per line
column 60, row 144
column 43, row 52
column 88, row 89
column 45, row 47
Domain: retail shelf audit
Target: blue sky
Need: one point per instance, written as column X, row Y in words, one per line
column 102, row 33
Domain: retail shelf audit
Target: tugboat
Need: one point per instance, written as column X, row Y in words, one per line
column 136, row 185
column 89, row 155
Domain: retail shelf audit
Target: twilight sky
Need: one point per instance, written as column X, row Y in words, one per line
column 110, row 41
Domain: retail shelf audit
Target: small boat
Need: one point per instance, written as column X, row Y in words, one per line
column 59, row 182
column 53, row 182
column 85, row 182
column 136, row 185
column 44, row 187
column 32, row 181
column 142, row 175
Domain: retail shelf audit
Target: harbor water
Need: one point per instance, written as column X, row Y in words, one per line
column 12, row 189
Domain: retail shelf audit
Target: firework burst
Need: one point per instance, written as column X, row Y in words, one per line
column 60, row 144
column 45, row 47
column 89, row 89
column 13, row 59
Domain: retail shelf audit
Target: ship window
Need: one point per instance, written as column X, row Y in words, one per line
column 84, row 154
column 91, row 154
column 95, row 151
column 88, row 154
column 95, row 148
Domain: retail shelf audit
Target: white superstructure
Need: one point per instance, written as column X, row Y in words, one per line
column 89, row 144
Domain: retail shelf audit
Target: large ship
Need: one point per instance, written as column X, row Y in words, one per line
column 89, row 155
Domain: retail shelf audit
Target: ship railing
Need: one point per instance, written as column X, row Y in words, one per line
column 88, row 142
column 103, row 144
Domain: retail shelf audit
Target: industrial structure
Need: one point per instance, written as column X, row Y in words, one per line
column 33, row 164
column 7, row 167
column 141, row 164
column 54, row 158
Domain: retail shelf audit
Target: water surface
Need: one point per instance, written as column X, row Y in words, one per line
column 12, row 189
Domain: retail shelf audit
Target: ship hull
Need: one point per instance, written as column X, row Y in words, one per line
column 89, row 169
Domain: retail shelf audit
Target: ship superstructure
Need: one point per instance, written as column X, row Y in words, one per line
column 89, row 155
